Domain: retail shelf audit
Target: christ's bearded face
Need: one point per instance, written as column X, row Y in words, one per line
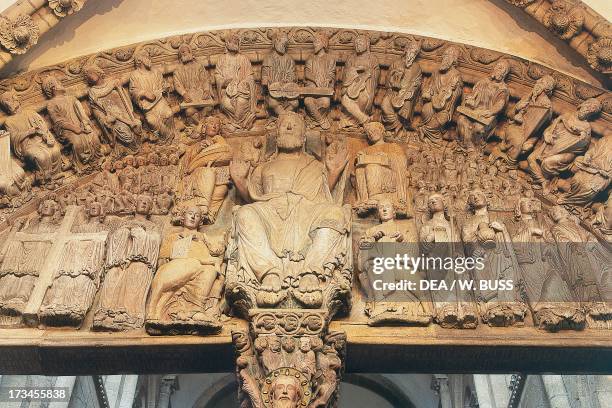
column 290, row 132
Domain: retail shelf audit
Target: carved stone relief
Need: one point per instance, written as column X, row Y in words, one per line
column 238, row 173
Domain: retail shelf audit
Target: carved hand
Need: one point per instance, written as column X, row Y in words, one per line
column 336, row 157
column 239, row 169
column 496, row 226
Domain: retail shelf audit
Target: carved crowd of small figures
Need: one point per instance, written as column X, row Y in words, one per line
column 172, row 206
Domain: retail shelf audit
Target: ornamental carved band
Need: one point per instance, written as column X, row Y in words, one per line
column 174, row 185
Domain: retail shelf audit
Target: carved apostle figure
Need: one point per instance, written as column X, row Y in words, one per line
column 278, row 76
column 578, row 263
column 549, row 297
column 147, row 87
column 77, row 280
column 361, row 75
column 204, row 171
column 409, row 308
column 320, row 72
column 567, row 137
column 22, row 260
column 591, row 174
column 236, row 85
column 192, row 83
column 441, row 94
column 528, row 117
column 380, row 172
column 71, row 124
column 440, row 238
column 479, row 110
column 403, row 87
column 111, row 106
column 292, row 233
column 131, row 257
column 31, row 140
column 187, row 286
column 489, row 240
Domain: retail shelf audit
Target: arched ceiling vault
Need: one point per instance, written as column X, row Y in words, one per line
column 489, row 24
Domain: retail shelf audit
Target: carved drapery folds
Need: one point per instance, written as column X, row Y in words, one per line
column 240, row 173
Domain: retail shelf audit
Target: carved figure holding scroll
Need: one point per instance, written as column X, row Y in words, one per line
column 567, row 137
column 204, row 172
column 381, row 172
column 71, row 124
column 479, row 110
column 147, row 88
column 187, row 286
column 528, row 117
column 591, row 174
column 403, row 88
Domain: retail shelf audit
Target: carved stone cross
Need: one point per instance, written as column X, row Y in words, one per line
column 59, row 238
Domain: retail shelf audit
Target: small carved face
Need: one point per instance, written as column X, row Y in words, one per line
column 192, row 218
column 305, row 344
column 141, row 161
column 375, row 131
column 142, row 58
column 274, row 344
column 128, row 161
column 288, row 344
column 589, row 108
column 500, row 70
column 285, row 392
column 527, row 207
column 291, row 132
column 362, row 44
column 435, row 203
column 232, row 43
column 385, row 210
column 449, row 59
column 545, row 84
column 477, row 199
column 94, row 209
column 213, row 126
column 48, row 208
column 280, row 43
column 185, row 54
column 144, row 204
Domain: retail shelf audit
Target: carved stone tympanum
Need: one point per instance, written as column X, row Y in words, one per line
column 181, row 205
